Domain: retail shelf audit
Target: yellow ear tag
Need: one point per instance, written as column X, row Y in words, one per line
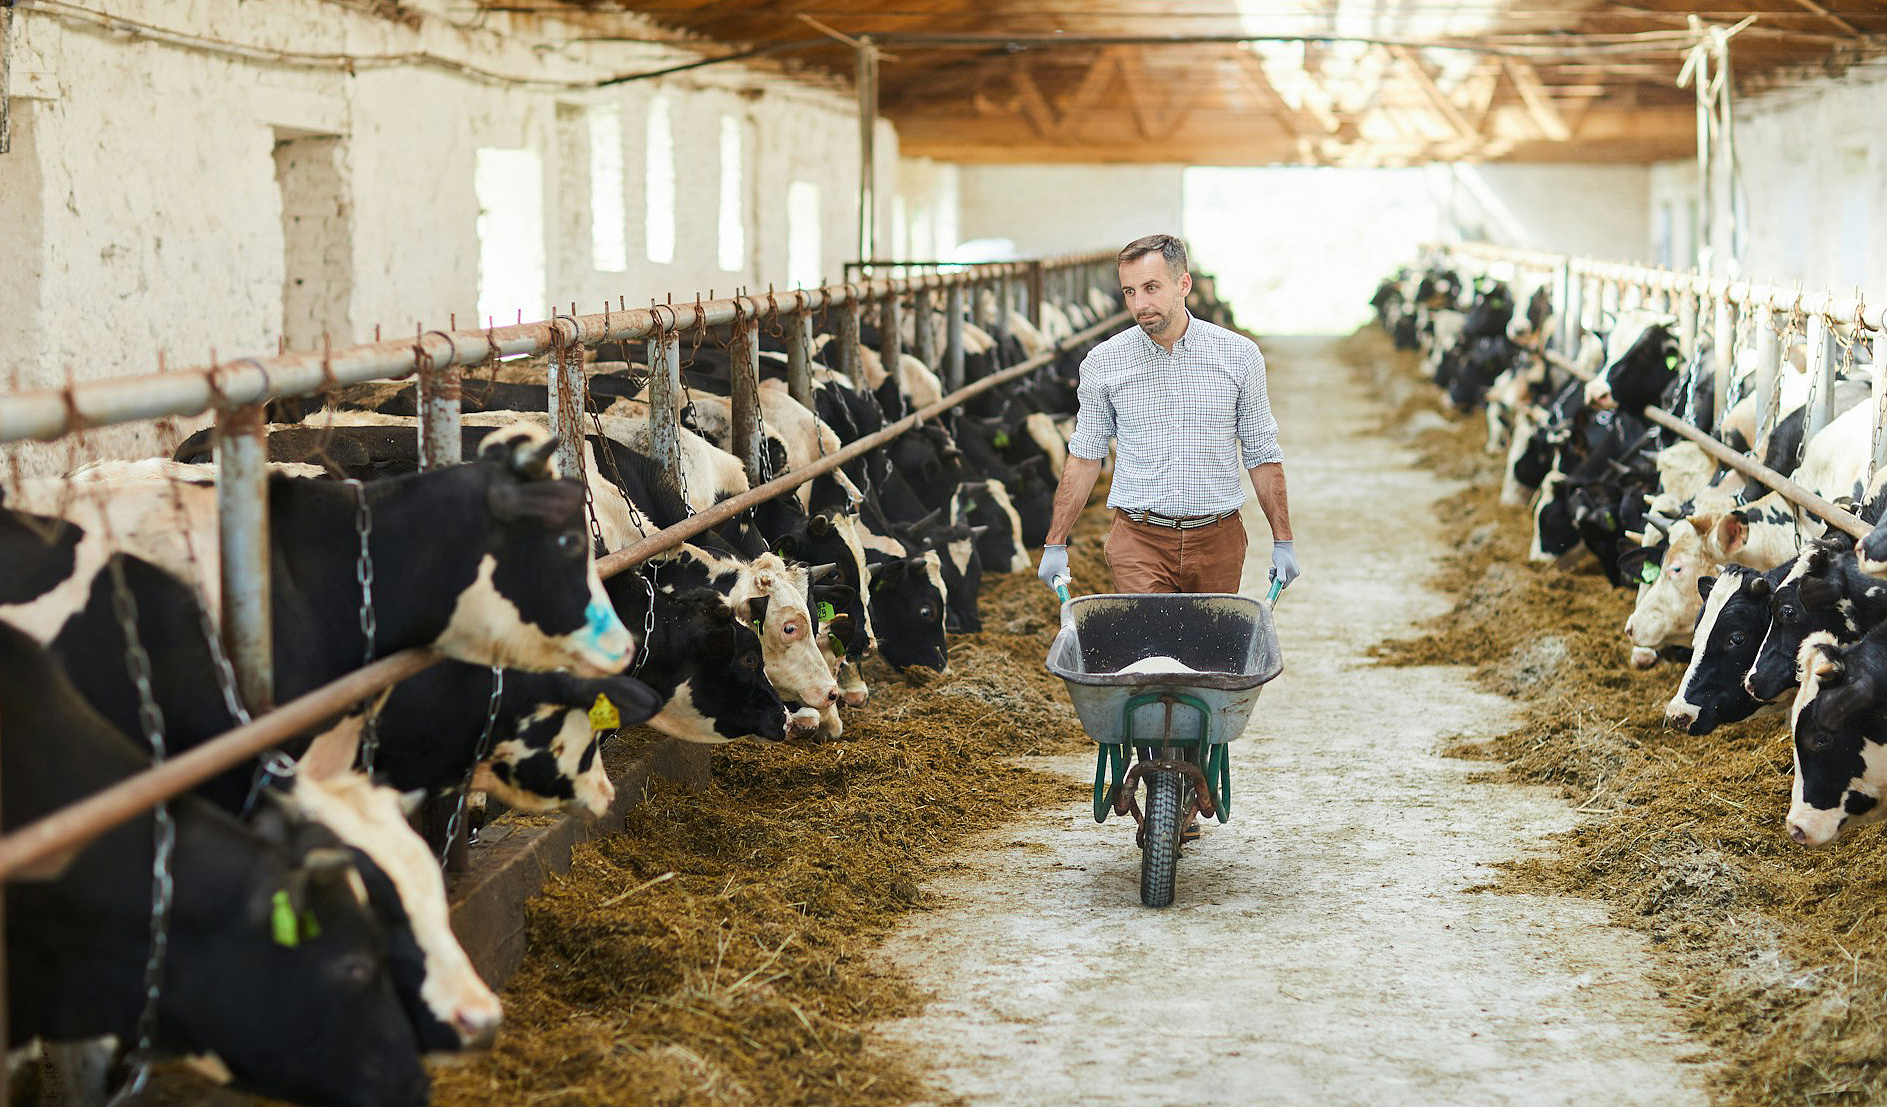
column 603, row 714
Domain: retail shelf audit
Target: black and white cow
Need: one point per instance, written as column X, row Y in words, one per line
column 1823, row 592
column 268, row 943
column 1839, row 723
column 706, row 666
column 1729, row 631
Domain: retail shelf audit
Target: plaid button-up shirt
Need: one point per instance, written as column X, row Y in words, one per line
column 1186, row 424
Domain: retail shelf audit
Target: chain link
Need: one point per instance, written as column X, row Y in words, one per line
column 648, row 626
column 164, row 830
column 483, row 751
column 369, row 623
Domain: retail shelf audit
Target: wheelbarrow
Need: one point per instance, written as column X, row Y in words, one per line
column 1162, row 683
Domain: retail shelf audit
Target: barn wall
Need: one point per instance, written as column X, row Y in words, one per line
column 1814, row 168
column 1064, row 209
column 144, row 197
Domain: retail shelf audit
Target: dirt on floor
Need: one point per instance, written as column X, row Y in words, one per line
column 1776, row 954
column 718, row 951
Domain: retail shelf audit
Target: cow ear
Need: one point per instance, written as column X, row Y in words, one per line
column 1704, row 585
column 633, row 700
column 1761, row 587
column 787, row 546
column 819, row 525
column 1816, row 559
column 757, row 611
column 550, row 504
column 1731, row 532
column 528, row 455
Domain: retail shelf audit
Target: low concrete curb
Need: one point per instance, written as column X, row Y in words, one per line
column 488, row 901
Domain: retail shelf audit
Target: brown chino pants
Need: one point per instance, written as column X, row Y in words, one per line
column 1149, row 558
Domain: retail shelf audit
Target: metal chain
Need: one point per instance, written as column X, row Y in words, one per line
column 483, row 751
column 163, row 837
column 648, row 626
column 369, row 623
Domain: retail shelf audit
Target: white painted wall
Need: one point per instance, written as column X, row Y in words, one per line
column 143, row 213
column 1066, row 209
column 1299, row 250
column 1814, row 173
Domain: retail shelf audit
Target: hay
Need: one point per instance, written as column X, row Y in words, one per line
column 721, row 950
column 1775, row 955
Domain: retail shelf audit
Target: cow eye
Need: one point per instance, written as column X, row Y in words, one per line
column 1737, row 638
column 1814, row 740
column 927, row 612
column 749, row 661
column 570, row 542
column 1787, row 611
column 791, row 630
column 354, row 971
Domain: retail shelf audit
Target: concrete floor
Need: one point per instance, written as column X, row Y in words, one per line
column 1325, row 946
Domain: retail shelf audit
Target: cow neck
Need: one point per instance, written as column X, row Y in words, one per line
column 428, row 532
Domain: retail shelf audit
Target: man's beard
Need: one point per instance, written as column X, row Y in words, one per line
column 1154, row 325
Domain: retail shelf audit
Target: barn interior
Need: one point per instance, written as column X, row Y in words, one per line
column 239, row 192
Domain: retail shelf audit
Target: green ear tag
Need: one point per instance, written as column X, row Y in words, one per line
column 1001, row 441
column 603, row 714
column 282, row 921
column 838, row 647
column 1648, row 572
column 1670, row 362
column 310, row 927
column 825, row 612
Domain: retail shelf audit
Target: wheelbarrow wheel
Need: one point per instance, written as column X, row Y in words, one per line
column 1159, row 858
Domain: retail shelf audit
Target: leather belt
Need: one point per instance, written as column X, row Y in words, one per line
column 1176, row 522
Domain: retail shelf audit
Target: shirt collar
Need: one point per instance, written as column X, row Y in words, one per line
column 1185, row 340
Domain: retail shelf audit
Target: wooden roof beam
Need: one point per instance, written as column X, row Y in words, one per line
column 1437, row 99
column 1546, row 115
column 1811, row 5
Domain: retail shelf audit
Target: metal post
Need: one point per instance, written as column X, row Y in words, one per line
column 744, row 394
column 1572, row 323
column 1687, row 311
column 867, row 146
column 1768, row 371
column 439, row 444
column 1000, row 325
column 1725, row 356
column 849, row 343
column 923, row 329
column 1821, row 377
column 566, row 403
column 799, row 358
column 1036, row 290
column 664, row 395
column 890, row 333
column 242, row 508
column 953, row 337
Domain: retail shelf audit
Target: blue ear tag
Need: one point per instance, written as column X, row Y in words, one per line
column 1649, row 572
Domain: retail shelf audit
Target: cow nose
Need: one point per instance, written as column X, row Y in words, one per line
column 1749, row 685
column 477, row 1026
column 832, row 695
column 1797, row 833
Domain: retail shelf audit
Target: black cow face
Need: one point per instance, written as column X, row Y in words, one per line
column 1647, row 368
column 1536, row 460
column 551, row 758
column 1729, row 629
column 715, row 668
column 1807, row 601
column 907, row 609
column 1555, row 533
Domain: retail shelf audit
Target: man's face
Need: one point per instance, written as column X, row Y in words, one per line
column 1154, row 295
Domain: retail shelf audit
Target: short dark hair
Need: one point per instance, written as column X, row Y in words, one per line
column 1165, row 245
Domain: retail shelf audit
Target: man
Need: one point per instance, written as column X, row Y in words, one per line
column 1184, row 401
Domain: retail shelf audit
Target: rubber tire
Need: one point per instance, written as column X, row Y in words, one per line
column 1159, row 858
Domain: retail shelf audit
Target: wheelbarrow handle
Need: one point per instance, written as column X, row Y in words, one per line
column 1271, row 597
column 1061, row 588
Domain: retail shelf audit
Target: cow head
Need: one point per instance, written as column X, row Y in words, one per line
column 1555, row 534
column 770, row 599
column 908, row 607
column 721, row 691
column 450, row 1005
column 1735, row 611
column 1807, row 601
column 552, row 759
column 534, row 601
column 1666, row 612
column 1840, row 759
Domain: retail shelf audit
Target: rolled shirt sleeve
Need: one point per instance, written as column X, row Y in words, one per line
column 1094, row 422
column 1257, row 429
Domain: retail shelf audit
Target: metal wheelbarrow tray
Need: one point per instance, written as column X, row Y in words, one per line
column 1228, row 639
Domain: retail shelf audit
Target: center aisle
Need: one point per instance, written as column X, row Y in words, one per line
column 1324, row 946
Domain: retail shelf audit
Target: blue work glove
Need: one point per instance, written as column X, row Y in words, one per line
column 1054, row 564
column 1283, row 562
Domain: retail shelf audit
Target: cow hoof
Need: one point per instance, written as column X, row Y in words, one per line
column 1642, row 658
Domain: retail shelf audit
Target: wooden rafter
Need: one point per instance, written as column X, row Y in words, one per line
column 1546, row 114
column 1154, row 114
column 1425, row 82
